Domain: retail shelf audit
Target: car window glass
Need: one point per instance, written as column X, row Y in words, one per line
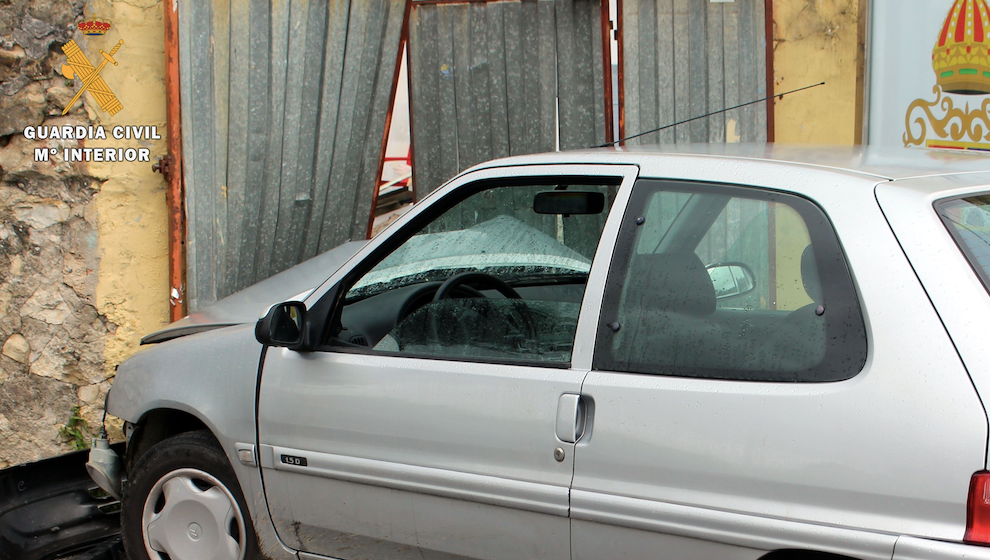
column 489, row 278
column 729, row 283
column 741, row 234
column 968, row 220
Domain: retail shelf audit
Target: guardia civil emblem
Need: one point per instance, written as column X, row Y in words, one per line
column 79, row 65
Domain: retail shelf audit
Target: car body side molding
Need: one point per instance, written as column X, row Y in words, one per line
column 528, row 496
column 728, row 527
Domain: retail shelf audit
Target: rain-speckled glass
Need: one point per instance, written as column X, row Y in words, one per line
column 489, row 278
column 714, row 283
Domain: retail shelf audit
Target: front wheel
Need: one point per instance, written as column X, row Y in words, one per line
column 183, row 502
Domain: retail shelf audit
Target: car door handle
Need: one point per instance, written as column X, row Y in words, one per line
column 571, row 417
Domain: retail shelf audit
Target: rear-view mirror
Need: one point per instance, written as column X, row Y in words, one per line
column 569, row 202
column 731, row 279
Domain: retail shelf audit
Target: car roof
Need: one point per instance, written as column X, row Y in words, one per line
column 882, row 163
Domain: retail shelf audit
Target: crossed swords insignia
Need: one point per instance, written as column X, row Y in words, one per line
column 91, row 80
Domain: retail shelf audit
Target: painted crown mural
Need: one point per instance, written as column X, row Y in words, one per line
column 961, row 61
column 94, row 26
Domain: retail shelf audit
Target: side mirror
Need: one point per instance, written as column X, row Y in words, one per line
column 283, row 325
column 731, row 279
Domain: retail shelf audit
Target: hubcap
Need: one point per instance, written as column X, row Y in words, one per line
column 189, row 515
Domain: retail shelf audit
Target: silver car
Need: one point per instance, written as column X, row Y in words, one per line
column 710, row 352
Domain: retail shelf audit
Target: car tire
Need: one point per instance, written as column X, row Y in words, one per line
column 182, row 502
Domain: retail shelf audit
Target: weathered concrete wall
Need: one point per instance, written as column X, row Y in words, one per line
column 82, row 246
column 132, row 217
column 815, row 41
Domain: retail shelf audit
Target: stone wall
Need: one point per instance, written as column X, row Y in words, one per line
column 51, row 332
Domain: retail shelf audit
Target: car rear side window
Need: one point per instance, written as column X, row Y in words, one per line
column 968, row 220
column 729, row 282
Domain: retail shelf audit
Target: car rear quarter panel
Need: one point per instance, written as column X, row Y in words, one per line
column 894, row 447
column 961, row 300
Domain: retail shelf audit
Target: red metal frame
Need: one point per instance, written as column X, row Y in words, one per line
column 408, row 159
column 174, row 194
column 403, row 38
column 607, row 69
column 768, row 15
column 622, row 81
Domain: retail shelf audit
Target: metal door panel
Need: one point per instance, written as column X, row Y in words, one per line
column 477, row 433
column 605, row 541
column 418, row 525
column 494, row 490
column 469, row 448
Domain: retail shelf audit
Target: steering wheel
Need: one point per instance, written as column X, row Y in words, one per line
column 457, row 283
column 446, row 289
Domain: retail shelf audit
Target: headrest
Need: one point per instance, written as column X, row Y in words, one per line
column 672, row 282
column 809, row 275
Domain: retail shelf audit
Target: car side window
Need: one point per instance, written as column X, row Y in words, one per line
column 497, row 275
column 729, row 283
column 968, row 220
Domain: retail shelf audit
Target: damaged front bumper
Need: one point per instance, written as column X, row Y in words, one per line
column 52, row 509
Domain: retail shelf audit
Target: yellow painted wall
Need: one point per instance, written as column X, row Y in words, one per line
column 790, row 239
column 132, row 219
column 815, row 41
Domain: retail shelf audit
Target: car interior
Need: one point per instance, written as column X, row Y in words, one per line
column 500, row 275
column 500, row 280
column 673, row 322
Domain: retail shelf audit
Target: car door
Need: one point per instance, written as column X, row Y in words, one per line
column 798, row 410
column 438, row 418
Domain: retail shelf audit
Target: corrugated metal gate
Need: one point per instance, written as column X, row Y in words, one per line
column 684, row 58
column 284, row 104
column 493, row 79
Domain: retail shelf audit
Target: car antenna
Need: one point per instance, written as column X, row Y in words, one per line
column 777, row 95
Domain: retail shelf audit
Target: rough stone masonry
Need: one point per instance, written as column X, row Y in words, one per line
column 51, row 333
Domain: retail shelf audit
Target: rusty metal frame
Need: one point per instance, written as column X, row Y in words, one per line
column 174, row 194
column 403, row 39
column 607, row 69
column 622, row 80
column 769, row 40
column 412, row 149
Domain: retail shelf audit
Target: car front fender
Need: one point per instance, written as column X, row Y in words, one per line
column 212, row 376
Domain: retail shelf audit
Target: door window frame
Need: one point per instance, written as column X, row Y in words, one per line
column 838, row 288
column 324, row 305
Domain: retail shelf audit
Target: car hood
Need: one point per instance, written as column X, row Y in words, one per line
column 248, row 304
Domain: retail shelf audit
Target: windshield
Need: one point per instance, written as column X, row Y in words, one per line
column 968, row 220
column 503, row 246
column 498, row 232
